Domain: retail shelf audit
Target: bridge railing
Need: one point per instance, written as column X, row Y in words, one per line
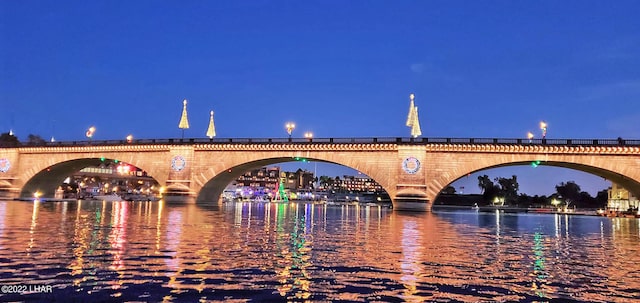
column 395, row 140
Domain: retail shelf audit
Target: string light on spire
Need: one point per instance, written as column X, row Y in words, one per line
column 411, row 111
column 211, row 131
column 412, row 118
column 184, row 121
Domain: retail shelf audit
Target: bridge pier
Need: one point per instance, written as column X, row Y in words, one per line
column 179, row 199
column 412, row 204
column 9, row 194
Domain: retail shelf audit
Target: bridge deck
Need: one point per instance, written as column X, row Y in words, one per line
column 392, row 140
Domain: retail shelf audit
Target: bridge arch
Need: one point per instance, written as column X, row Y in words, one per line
column 212, row 189
column 45, row 177
column 612, row 170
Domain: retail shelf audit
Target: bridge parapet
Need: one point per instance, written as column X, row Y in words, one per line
column 545, row 149
column 362, row 140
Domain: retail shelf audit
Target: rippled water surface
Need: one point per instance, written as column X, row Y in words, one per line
column 267, row 252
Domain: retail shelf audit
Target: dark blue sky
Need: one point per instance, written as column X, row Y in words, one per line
column 335, row 68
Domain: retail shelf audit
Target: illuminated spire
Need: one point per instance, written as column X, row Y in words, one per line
column 411, row 111
column 211, row 131
column 415, row 124
column 184, row 121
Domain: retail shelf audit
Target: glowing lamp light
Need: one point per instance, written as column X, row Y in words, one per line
column 129, row 138
column 90, row 132
column 543, row 128
column 290, row 126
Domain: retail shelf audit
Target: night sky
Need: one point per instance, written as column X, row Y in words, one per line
column 482, row 69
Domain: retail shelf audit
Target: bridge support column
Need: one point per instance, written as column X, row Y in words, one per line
column 411, row 204
column 9, row 193
column 179, row 199
column 411, row 189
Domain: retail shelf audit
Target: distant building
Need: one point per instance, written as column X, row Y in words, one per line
column 621, row 199
column 264, row 177
column 116, row 177
column 300, row 179
column 357, row 184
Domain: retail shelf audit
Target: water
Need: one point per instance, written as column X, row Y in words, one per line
column 152, row 252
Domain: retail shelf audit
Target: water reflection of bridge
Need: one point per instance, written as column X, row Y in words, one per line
column 412, row 171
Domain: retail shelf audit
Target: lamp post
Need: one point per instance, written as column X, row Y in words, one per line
column 129, row 138
column 90, row 132
column 290, row 126
column 543, row 128
column 529, row 136
column 308, row 135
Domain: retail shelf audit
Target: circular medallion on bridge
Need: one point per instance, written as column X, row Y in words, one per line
column 411, row 165
column 178, row 163
column 4, row 165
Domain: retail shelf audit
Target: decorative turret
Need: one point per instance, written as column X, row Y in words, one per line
column 411, row 111
column 211, row 131
column 184, row 121
column 412, row 118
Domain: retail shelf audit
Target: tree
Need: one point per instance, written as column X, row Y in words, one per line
column 484, row 183
column 585, row 200
column 602, row 197
column 9, row 140
column 569, row 192
column 489, row 190
column 509, row 188
column 35, row 140
column 326, row 182
column 449, row 190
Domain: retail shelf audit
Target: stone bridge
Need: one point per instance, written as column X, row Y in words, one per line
column 412, row 171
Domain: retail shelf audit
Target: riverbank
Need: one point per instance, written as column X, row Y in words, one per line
column 513, row 209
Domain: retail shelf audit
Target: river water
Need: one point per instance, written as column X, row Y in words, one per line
column 296, row 252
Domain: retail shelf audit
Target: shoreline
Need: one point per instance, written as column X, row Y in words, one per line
column 511, row 209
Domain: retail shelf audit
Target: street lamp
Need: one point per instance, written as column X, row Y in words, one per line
column 290, row 126
column 308, row 135
column 529, row 136
column 543, row 128
column 90, row 132
column 129, row 138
